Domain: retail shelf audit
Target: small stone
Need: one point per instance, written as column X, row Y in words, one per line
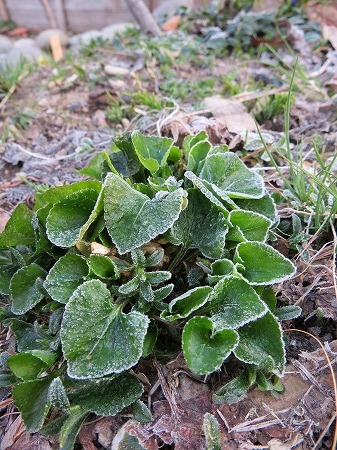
column 110, row 31
column 85, row 38
column 24, row 43
column 3, row 61
column 117, row 85
column 116, row 70
column 5, row 44
column 43, row 39
column 17, row 54
column 168, row 8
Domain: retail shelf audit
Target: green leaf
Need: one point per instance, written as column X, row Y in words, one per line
column 152, row 151
column 261, row 344
column 264, row 205
column 197, row 154
column 163, row 292
column 71, row 427
column 186, row 303
column 124, row 157
column 228, row 175
column 70, row 218
column 157, row 277
column 26, row 288
column 103, row 267
column 219, row 269
column 130, row 286
column 106, row 397
column 208, row 192
column 201, row 225
column 140, row 412
column 288, row 312
column 212, row 432
column 28, row 365
column 155, row 258
column 10, row 262
column 30, row 337
column 19, row 229
column 32, row 399
column 204, row 348
column 236, row 389
column 150, row 339
column 132, row 219
column 248, row 226
column 124, row 441
column 262, row 263
column 111, row 341
column 65, row 276
column 233, row 303
column 58, row 396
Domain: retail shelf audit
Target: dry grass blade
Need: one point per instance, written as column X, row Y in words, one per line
column 11, row 91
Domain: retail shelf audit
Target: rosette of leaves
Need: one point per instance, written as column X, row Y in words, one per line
column 162, row 246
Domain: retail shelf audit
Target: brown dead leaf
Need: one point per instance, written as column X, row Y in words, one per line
column 172, row 24
column 16, row 437
column 4, row 217
column 326, row 15
column 232, row 113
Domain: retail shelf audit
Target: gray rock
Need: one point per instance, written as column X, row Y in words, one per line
column 169, row 7
column 110, row 31
column 85, row 38
column 17, row 54
column 5, row 44
column 23, row 43
column 3, row 61
column 43, row 39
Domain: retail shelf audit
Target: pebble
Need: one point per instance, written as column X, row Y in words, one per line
column 5, row 44
column 43, row 39
column 116, row 70
column 17, row 54
column 110, row 31
column 3, row 61
column 169, row 8
column 23, row 43
column 85, row 38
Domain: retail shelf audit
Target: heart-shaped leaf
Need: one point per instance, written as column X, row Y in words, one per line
column 204, row 348
column 261, row 344
column 65, row 276
column 262, row 263
column 132, row 219
column 28, row 365
column 152, row 151
column 26, row 288
column 201, row 225
column 264, row 205
column 111, row 341
column 186, row 303
column 233, row 303
column 228, row 175
column 103, row 267
column 19, row 229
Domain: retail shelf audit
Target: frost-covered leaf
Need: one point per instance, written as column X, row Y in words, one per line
column 155, row 258
column 19, row 229
column 201, row 225
column 58, row 396
column 152, row 151
column 123, row 156
column 71, row 427
column 29, row 336
column 11, row 261
column 132, row 219
column 103, row 267
column 129, row 287
column 228, row 175
column 150, row 339
column 141, row 412
column 105, row 397
column 70, row 218
column 28, row 365
column 233, row 303
column 65, row 276
column 26, row 288
column 236, row 389
column 208, row 192
column 212, row 432
column 186, row 303
column 111, row 341
column 204, row 348
column 248, row 226
column 197, row 154
column 32, row 400
column 288, row 312
column 264, row 205
column 157, row 277
column 219, row 269
column 262, row 263
column 163, row 292
column 261, row 344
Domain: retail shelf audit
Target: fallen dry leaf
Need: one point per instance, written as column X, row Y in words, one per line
column 4, row 217
column 171, row 24
column 230, row 112
column 326, row 15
